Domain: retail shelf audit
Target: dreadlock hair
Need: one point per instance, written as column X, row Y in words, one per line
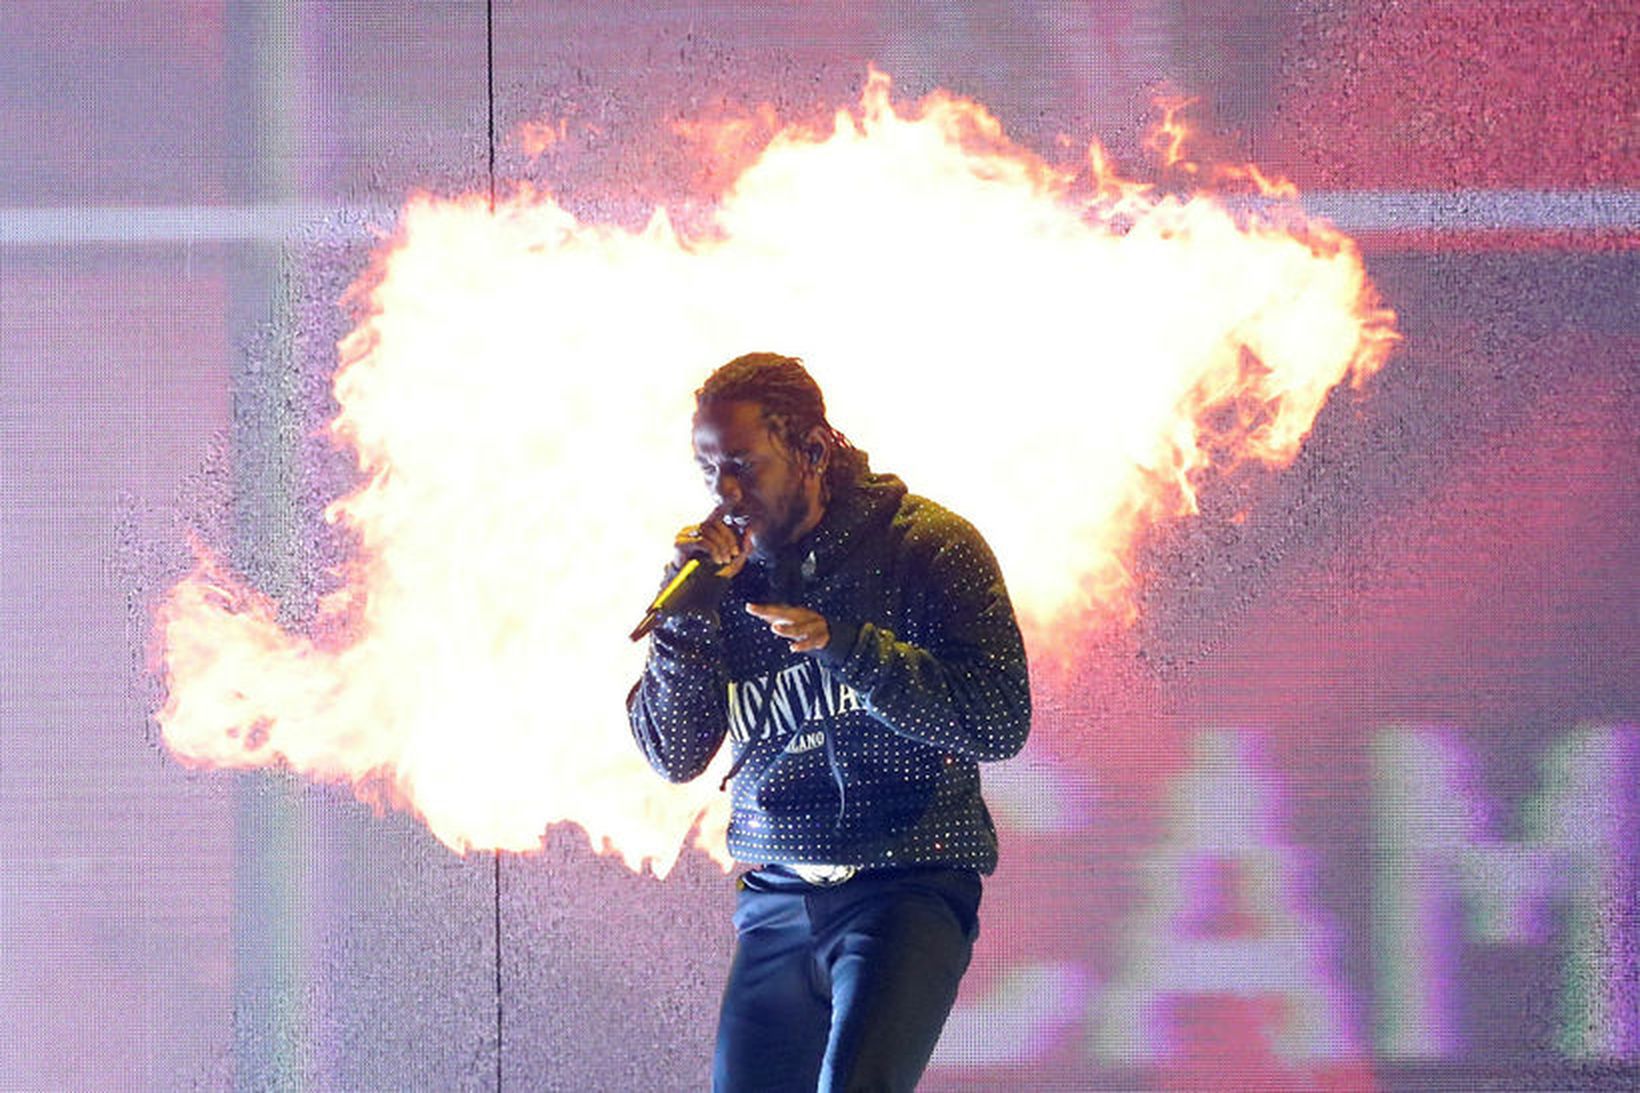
column 792, row 406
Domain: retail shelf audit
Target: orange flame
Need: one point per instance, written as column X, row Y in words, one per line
column 725, row 147
column 1168, row 139
column 1056, row 356
column 536, row 138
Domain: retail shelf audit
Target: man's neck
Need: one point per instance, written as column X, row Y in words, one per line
column 817, row 513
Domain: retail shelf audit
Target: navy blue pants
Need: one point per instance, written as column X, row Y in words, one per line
column 843, row 987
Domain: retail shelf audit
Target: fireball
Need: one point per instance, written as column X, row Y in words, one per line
column 1053, row 351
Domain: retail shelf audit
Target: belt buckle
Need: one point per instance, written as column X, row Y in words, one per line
column 825, row 876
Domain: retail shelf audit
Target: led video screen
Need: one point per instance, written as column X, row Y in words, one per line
column 1283, row 353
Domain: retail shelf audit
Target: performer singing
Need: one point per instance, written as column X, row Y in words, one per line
column 857, row 647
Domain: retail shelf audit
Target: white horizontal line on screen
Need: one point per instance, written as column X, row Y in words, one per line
column 1465, row 211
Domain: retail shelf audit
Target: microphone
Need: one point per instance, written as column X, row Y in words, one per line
column 690, row 574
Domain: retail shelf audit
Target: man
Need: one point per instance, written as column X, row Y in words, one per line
column 858, row 648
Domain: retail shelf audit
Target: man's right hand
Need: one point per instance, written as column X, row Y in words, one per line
column 713, row 541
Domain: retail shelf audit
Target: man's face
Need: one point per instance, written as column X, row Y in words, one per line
column 770, row 493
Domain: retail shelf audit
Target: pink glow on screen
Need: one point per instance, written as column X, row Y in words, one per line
column 1351, row 804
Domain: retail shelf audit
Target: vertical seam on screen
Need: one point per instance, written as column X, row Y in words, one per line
column 489, row 95
column 498, row 971
column 489, row 86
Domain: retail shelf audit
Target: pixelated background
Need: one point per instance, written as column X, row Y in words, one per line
column 1401, row 673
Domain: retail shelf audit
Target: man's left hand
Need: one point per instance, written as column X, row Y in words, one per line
column 806, row 630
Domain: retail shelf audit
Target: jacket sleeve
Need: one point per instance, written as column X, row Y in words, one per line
column 678, row 709
column 967, row 690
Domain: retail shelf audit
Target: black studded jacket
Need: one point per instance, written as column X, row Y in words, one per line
column 866, row 752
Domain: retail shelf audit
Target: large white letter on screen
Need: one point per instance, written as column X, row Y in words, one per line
column 1229, row 914
column 1445, row 877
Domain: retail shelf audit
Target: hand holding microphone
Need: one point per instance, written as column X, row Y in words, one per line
column 711, row 548
column 713, row 540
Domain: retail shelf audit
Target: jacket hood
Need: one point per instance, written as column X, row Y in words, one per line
column 863, row 507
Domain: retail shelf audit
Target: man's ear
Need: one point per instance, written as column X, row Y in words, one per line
column 815, row 448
